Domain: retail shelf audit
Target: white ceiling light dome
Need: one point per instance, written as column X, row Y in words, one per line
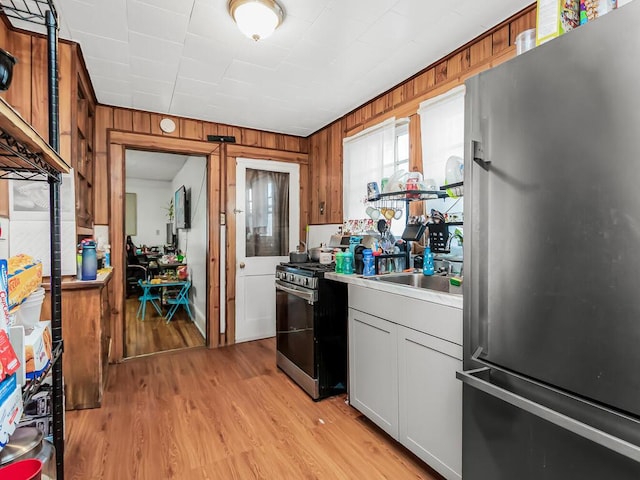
column 257, row 19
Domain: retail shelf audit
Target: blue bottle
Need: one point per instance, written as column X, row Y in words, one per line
column 369, row 269
column 89, row 261
column 427, row 263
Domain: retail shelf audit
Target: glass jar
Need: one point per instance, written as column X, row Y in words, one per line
column 29, row 442
column 414, row 179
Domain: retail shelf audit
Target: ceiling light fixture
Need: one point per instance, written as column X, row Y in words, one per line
column 257, row 19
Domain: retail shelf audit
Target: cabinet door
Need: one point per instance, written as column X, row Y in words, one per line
column 431, row 400
column 373, row 369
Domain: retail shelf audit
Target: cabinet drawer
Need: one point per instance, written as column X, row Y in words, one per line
column 435, row 319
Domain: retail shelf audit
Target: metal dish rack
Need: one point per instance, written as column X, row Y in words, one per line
column 25, row 155
column 438, row 232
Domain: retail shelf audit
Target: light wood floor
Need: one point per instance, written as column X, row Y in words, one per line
column 225, row 414
column 154, row 334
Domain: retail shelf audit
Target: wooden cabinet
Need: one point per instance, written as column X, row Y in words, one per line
column 373, row 369
column 83, row 157
column 430, row 400
column 85, row 321
column 403, row 358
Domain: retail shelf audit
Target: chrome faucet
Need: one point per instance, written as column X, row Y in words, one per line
column 457, row 234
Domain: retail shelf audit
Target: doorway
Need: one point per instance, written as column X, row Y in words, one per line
column 166, row 227
column 267, row 228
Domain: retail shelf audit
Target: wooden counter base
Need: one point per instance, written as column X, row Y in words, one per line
column 85, row 317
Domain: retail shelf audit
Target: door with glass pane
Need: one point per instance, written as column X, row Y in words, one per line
column 267, row 229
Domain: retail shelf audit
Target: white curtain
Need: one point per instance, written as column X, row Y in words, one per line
column 442, row 132
column 365, row 154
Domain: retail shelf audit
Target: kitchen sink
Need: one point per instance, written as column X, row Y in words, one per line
column 439, row 283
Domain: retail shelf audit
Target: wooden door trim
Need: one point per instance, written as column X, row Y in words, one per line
column 265, row 154
column 118, row 142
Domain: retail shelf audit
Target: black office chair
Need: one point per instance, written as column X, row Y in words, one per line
column 135, row 271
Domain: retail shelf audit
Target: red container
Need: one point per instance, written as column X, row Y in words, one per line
column 23, row 470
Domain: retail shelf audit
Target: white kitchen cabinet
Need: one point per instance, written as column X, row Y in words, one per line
column 430, row 400
column 403, row 378
column 373, row 369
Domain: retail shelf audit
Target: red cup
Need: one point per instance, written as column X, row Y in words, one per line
column 30, row 469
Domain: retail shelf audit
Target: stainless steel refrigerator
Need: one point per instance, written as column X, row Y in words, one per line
column 552, row 260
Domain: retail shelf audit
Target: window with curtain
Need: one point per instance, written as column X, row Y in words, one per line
column 267, row 215
column 370, row 156
column 442, row 134
column 365, row 156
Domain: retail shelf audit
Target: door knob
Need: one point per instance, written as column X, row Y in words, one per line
column 242, row 265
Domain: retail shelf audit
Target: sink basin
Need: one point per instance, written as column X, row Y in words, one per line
column 439, row 283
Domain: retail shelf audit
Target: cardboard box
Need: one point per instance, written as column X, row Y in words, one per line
column 555, row 18
column 37, row 350
column 4, row 296
column 24, row 276
column 9, row 363
column 592, row 9
column 10, row 408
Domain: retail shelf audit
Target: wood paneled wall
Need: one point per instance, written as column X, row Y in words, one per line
column 137, row 121
column 325, row 156
column 28, row 93
column 120, row 128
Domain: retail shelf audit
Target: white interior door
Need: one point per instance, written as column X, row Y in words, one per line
column 267, row 229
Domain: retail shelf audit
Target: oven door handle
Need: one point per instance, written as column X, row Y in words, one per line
column 308, row 295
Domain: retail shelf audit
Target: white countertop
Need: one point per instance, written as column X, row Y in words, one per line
column 448, row 299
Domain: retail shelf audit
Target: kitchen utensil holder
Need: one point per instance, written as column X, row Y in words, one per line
column 438, row 236
column 413, row 232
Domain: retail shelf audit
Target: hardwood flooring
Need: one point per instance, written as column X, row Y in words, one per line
column 225, row 414
column 154, row 334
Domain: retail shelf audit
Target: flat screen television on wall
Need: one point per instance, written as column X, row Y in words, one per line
column 182, row 202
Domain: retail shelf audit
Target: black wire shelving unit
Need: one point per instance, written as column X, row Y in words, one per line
column 25, row 155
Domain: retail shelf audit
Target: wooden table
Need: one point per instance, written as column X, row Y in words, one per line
column 166, row 266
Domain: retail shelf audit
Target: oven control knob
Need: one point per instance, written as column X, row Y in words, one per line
column 306, row 281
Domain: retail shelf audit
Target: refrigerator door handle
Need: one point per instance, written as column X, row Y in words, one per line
column 478, row 154
column 611, row 442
